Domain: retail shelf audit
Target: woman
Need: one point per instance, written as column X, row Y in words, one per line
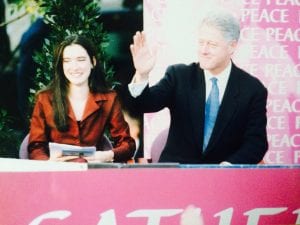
column 77, row 106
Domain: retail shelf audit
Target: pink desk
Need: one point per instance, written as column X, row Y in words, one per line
column 151, row 196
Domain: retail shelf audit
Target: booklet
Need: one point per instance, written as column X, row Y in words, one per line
column 70, row 150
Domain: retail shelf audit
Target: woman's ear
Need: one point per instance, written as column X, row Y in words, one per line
column 94, row 61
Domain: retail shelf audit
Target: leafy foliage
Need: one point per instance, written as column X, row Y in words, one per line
column 8, row 137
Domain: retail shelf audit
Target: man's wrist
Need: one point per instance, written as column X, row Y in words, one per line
column 140, row 78
column 136, row 89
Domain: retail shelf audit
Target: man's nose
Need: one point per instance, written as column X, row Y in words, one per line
column 204, row 48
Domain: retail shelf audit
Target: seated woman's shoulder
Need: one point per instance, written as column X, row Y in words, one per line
column 44, row 95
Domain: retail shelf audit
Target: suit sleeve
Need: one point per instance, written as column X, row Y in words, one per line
column 254, row 144
column 159, row 96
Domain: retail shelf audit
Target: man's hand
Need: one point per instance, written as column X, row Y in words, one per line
column 143, row 58
column 225, row 163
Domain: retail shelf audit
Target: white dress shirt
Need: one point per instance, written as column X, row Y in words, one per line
column 222, row 81
column 136, row 89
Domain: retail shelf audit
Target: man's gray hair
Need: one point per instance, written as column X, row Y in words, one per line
column 225, row 22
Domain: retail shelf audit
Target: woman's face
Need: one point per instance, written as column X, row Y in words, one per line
column 77, row 65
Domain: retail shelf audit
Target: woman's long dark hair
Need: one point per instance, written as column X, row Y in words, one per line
column 59, row 85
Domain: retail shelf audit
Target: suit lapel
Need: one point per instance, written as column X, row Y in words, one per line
column 196, row 98
column 227, row 108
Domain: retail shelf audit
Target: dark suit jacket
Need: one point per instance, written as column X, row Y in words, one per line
column 239, row 135
column 102, row 110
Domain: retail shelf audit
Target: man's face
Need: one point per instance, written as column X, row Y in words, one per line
column 214, row 51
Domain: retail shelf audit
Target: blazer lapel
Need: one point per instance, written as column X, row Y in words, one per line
column 196, row 97
column 93, row 104
column 227, row 108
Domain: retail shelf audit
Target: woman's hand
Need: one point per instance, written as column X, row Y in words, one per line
column 101, row 156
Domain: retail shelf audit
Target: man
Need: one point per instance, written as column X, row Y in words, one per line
column 222, row 120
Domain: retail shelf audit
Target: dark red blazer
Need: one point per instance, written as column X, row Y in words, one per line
column 102, row 111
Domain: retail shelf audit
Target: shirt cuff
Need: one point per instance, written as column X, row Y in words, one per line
column 136, row 89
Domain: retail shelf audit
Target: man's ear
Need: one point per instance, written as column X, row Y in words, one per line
column 233, row 46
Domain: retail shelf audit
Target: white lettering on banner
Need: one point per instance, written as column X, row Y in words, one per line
column 297, row 122
column 109, row 216
column 277, row 157
column 297, row 158
column 278, row 34
column 282, row 70
column 274, row 2
column 263, row 15
column 282, row 34
column 251, row 2
column 284, row 2
column 274, row 157
column 154, row 216
column 298, row 87
column 276, row 122
column 254, row 214
column 285, row 140
column 297, row 211
column 280, row 105
column 268, row 52
column 251, row 34
column 59, row 214
column 277, row 87
column 225, row 216
column 290, row 2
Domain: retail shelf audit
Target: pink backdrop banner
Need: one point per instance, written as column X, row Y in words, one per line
column 268, row 49
column 151, row 196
